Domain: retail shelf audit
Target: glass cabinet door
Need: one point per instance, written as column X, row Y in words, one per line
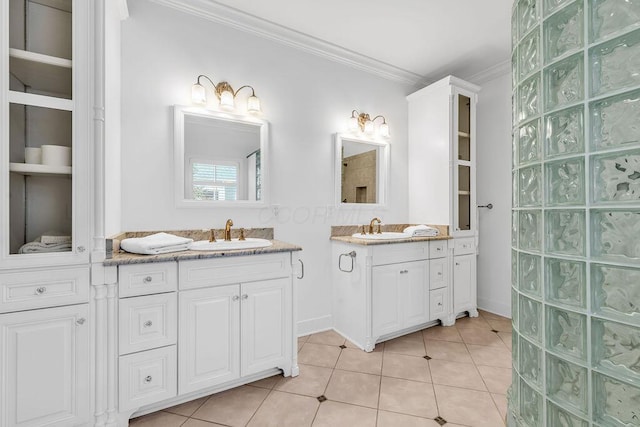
column 463, row 162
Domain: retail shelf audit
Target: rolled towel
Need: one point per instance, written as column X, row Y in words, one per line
column 421, row 231
column 159, row 243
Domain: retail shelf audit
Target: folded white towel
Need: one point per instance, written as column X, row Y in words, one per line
column 159, row 243
column 421, row 231
column 37, row 247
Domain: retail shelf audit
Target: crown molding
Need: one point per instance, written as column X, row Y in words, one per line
column 495, row 71
column 223, row 14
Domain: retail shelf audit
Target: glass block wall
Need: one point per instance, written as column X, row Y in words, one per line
column 576, row 213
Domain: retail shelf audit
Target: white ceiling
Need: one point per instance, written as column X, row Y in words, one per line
column 422, row 39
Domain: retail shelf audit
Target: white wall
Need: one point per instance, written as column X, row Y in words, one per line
column 305, row 98
column 494, row 186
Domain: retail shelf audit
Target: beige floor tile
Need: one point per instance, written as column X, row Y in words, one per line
column 192, row 422
column 488, row 315
column 392, row 419
column 456, row 374
column 404, row 345
column 354, row 387
column 233, row 407
column 312, row 381
column 188, row 408
column 472, row 322
column 415, row 336
column 329, row 337
column 506, row 339
column 408, row 397
column 481, row 337
column 497, row 380
column 300, row 345
column 285, row 410
column 490, row 356
column 336, row 414
column 303, row 339
column 158, row 419
column 445, row 350
column 319, row 355
column 467, row 407
column 442, row 333
column 267, row 383
column 500, row 325
column 407, row 367
column 360, row 361
column 501, row 402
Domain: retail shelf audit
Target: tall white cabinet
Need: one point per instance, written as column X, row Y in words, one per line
column 47, row 98
column 442, row 175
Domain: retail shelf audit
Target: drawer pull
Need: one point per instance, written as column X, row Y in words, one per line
column 147, row 279
column 81, row 321
column 148, row 379
column 440, row 304
column 41, row 290
column 438, row 249
column 235, row 298
column 245, row 296
column 148, row 324
column 404, row 271
column 81, row 249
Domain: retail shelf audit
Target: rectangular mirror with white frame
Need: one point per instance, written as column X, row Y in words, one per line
column 220, row 158
column 361, row 171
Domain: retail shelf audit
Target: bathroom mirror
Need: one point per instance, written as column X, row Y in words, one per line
column 220, row 158
column 361, row 171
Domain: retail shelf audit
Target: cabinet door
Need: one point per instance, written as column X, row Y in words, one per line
column 464, row 283
column 414, row 288
column 386, row 312
column 44, row 367
column 265, row 313
column 209, row 332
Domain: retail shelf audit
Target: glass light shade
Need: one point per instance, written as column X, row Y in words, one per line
column 253, row 104
column 352, row 124
column 198, row 95
column 368, row 126
column 384, row 130
column 226, row 100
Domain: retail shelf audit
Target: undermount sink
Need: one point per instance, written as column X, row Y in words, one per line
column 386, row 235
column 221, row 245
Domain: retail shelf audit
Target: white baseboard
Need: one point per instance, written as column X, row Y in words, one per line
column 495, row 307
column 318, row 324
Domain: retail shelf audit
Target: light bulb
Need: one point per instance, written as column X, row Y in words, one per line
column 226, row 100
column 368, row 126
column 198, row 95
column 352, row 124
column 253, row 104
column 384, row 130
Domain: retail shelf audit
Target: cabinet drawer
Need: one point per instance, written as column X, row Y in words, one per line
column 145, row 279
column 147, row 377
column 400, row 252
column 464, row 246
column 437, row 303
column 224, row 271
column 438, row 273
column 147, row 322
column 22, row 290
column 438, row 248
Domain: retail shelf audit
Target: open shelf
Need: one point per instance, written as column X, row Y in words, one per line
column 39, row 170
column 42, row 73
column 464, row 193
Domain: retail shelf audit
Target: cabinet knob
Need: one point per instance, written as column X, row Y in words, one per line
column 148, row 379
column 41, row 290
column 440, row 304
column 245, row 296
column 457, row 263
column 147, row 279
column 80, row 249
column 148, row 324
column 439, row 273
column 81, row 321
column 235, row 298
column 438, row 249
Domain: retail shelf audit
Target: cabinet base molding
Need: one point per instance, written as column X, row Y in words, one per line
column 449, row 320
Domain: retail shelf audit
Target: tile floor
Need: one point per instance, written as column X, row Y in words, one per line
column 453, row 376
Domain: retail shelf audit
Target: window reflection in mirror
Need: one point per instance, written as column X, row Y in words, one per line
column 219, row 158
column 361, row 171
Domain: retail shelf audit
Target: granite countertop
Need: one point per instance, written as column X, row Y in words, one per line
column 344, row 234
column 121, row 257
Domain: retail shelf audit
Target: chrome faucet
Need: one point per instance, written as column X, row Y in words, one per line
column 375, row 220
column 227, row 230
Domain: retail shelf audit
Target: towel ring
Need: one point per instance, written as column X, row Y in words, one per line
column 351, row 255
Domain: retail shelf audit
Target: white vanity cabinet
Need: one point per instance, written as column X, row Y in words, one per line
column 192, row 327
column 442, row 174
column 383, row 291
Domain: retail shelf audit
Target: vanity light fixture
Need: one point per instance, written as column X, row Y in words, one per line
column 363, row 122
column 225, row 94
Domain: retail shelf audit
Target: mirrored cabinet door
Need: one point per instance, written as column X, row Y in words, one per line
column 44, row 133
